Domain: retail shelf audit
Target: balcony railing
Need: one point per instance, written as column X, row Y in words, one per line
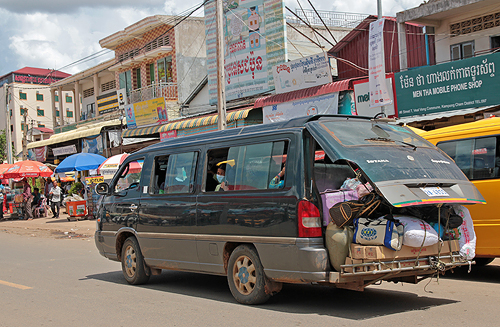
column 166, row 90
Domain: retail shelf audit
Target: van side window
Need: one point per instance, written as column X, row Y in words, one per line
column 477, row 158
column 329, row 175
column 174, row 173
column 249, row 167
column 130, row 176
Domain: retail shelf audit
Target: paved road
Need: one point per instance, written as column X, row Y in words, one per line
column 65, row 282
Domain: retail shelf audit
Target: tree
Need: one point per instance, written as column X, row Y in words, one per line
column 3, row 146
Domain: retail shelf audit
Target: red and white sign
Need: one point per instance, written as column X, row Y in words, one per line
column 168, row 135
column 379, row 95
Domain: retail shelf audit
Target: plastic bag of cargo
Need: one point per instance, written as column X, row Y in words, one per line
column 417, row 232
column 466, row 234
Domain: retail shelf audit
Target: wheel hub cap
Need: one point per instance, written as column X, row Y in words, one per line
column 243, row 275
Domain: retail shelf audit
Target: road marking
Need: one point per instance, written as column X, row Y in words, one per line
column 21, row 287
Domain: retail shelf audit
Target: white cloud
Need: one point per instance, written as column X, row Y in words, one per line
column 56, row 33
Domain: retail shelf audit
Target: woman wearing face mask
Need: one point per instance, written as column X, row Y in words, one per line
column 221, row 178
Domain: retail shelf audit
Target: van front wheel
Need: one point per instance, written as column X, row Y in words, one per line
column 245, row 276
column 133, row 265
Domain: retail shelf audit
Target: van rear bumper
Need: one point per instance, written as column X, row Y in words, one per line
column 306, row 261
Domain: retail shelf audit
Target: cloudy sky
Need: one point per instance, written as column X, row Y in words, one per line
column 55, row 34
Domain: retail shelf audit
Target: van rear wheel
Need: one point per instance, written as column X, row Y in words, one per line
column 481, row 262
column 246, row 276
column 133, row 266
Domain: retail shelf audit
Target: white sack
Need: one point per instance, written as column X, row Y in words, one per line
column 417, row 231
column 466, row 234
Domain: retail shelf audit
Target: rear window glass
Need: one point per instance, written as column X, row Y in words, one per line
column 372, row 133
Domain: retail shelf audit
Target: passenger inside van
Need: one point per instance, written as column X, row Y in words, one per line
column 221, row 178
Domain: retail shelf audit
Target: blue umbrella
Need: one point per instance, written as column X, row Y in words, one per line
column 80, row 161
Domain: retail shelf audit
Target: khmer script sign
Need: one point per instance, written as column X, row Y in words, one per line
column 461, row 84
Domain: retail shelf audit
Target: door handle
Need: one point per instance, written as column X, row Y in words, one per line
column 133, row 207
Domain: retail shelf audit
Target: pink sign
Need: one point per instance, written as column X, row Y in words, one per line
column 168, row 135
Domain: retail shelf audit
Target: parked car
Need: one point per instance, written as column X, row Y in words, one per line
column 247, row 203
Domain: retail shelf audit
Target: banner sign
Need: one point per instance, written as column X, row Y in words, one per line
column 168, row 135
column 38, row 154
column 322, row 104
column 93, row 181
column 379, row 95
column 146, row 113
column 64, row 150
column 461, row 84
column 107, row 102
column 302, row 73
column 93, row 145
column 362, row 98
column 253, row 43
column 122, row 98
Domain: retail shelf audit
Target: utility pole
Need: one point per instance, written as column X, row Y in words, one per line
column 221, row 84
column 8, row 132
column 379, row 14
column 25, row 134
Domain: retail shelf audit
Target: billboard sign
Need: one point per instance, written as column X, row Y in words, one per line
column 302, row 73
column 461, row 84
column 253, row 43
column 146, row 113
column 362, row 98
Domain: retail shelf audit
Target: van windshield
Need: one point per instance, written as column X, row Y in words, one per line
column 386, row 152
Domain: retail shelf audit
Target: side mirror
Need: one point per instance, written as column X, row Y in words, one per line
column 102, row 188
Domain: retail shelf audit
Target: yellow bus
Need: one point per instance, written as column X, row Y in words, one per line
column 475, row 148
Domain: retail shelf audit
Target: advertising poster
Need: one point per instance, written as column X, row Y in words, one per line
column 302, row 73
column 379, row 95
column 254, row 41
column 362, row 99
column 323, row 104
column 146, row 113
column 93, row 145
column 462, row 84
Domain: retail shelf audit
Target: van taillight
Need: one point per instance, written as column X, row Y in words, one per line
column 309, row 220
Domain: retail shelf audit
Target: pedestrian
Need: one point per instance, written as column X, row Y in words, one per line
column 2, row 196
column 55, row 194
column 28, row 198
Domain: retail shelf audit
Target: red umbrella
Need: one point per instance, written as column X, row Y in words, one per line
column 27, row 168
column 3, row 169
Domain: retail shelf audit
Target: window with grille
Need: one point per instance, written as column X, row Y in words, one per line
column 69, row 113
column 23, row 110
column 40, row 112
column 57, row 113
column 475, row 24
column 39, row 97
column 462, row 50
column 108, row 86
column 41, row 125
column 69, row 99
column 22, row 96
column 56, row 98
column 88, row 92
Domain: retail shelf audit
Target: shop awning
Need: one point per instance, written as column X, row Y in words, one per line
column 304, row 93
column 141, row 131
column 443, row 114
column 80, row 132
column 206, row 120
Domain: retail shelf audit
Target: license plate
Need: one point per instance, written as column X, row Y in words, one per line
column 434, row 191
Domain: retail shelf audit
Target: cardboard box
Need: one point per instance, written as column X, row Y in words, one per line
column 359, row 251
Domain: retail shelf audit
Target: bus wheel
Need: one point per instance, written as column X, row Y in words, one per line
column 133, row 266
column 245, row 276
column 481, row 262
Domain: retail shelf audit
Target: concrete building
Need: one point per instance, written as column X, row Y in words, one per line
column 467, row 40
column 27, row 99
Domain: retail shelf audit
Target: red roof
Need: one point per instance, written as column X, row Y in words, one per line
column 304, row 93
column 41, row 72
column 44, row 130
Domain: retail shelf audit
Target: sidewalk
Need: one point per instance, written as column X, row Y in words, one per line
column 49, row 227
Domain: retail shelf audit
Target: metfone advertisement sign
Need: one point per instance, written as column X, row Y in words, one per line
column 462, row 84
column 302, row 73
column 362, row 98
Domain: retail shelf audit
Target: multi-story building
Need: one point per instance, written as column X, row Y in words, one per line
column 26, row 97
column 462, row 86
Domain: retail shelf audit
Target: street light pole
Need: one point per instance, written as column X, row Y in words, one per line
column 379, row 16
column 8, row 134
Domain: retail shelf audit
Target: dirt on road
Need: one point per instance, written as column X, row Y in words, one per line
column 58, row 228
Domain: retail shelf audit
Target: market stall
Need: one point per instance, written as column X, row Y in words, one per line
column 81, row 162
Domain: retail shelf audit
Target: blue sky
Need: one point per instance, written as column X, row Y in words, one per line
column 55, row 33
